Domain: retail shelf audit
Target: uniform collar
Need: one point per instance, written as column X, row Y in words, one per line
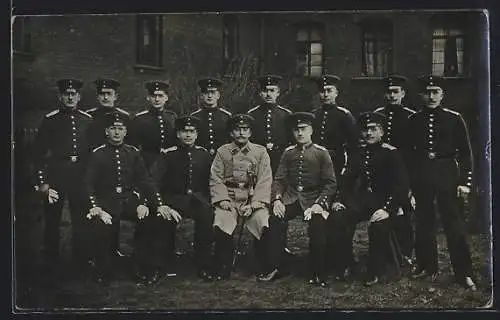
column 105, row 109
column 68, row 109
column 394, row 106
column 432, row 110
column 185, row 148
column 235, row 148
column 374, row 146
column 113, row 146
column 269, row 105
column 155, row 111
column 329, row 106
column 305, row 146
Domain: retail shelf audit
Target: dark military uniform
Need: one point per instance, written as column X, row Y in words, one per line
column 213, row 131
column 182, row 175
column 269, row 129
column 396, row 134
column 61, row 152
column 335, row 129
column 305, row 177
column 152, row 130
column 382, row 184
column 117, row 181
column 441, row 160
column 97, row 129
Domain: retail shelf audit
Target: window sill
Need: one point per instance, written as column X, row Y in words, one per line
column 147, row 68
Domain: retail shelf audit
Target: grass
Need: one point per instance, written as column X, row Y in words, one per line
column 242, row 291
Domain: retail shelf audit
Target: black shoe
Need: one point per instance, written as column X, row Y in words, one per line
column 371, row 282
column 268, row 277
column 205, row 275
column 469, row 284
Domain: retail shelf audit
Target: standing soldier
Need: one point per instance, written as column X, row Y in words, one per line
column 381, row 189
column 335, row 129
column 441, row 170
column 117, row 182
column 395, row 134
column 240, row 186
column 152, row 130
column 107, row 95
column 61, row 152
column 304, row 184
column 213, row 132
column 182, row 175
column 269, row 129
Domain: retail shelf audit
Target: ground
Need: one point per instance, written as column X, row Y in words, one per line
column 242, row 291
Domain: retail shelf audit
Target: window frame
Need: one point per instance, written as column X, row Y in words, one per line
column 142, row 61
column 309, row 28
column 26, row 40
column 382, row 30
column 447, row 26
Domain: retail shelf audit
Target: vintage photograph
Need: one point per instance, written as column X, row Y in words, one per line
column 332, row 160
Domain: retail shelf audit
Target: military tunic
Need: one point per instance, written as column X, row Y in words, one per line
column 229, row 179
column 151, row 131
column 441, row 159
column 269, row 130
column 335, row 129
column 117, row 181
column 61, row 150
column 213, row 131
column 305, row 177
column 98, row 127
column 182, row 174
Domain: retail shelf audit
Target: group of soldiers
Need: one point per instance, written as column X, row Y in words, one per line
column 259, row 170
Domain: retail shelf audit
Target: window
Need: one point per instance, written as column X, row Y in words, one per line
column 448, row 51
column 21, row 35
column 230, row 39
column 377, row 49
column 309, row 50
column 149, row 40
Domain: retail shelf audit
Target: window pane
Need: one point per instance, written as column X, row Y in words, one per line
column 438, row 69
column 460, row 62
column 438, row 44
column 301, row 48
column 316, row 71
column 301, row 64
column 381, row 63
column 302, row 35
column 438, row 57
column 316, row 48
column 316, row 59
column 315, row 35
column 146, row 33
column 460, row 44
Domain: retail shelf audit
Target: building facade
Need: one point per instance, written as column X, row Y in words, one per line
column 359, row 46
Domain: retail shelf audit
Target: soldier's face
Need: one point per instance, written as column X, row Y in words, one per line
column 187, row 136
column 328, row 94
column 210, row 96
column 394, row 95
column 372, row 133
column 116, row 133
column 270, row 94
column 158, row 99
column 432, row 96
column 70, row 98
column 107, row 97
column 303, row 133
column 241, row 135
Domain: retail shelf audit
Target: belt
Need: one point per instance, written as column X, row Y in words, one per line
column 305, row 189
column 232, row 184
column 71, row 158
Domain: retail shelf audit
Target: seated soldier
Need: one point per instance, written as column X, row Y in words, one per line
column 181, row 173
column 304, row 185
column 381, row 190
column 116, row 181
column 240, row 186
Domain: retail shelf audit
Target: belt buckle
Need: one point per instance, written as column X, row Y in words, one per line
column 73, row 158
column 241, row 185
column 119, row 189
column 212, row 151
column 300, row 188
column 189, row 191
column 269, row 146
column 432, row 155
